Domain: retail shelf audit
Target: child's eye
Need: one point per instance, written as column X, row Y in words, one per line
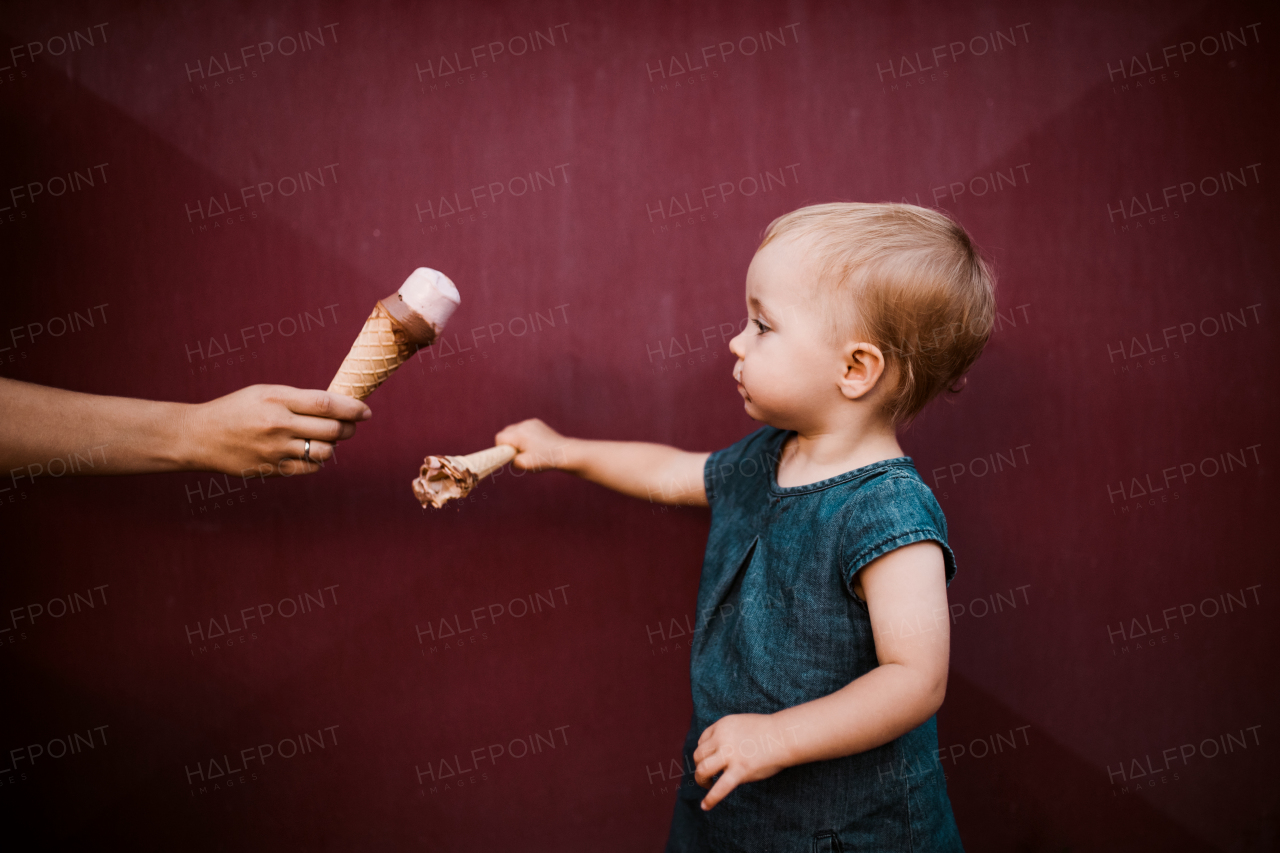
column 761, row 326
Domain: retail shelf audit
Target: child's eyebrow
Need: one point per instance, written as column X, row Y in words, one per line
column 760, row 307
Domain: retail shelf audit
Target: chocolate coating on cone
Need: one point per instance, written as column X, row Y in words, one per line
column 381, row 347
column 417, row 329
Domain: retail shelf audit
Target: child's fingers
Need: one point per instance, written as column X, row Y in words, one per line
column 525, row 432
column 526, row 462
column 530, row 460
column 727, row 783
column 706, row 745
column 707, row 768
column 509, row 435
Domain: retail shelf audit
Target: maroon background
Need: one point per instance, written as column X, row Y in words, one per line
column 1072, row 286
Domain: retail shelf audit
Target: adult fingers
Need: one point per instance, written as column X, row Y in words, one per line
column 324, row 429
column 321, row 451
column 324, row 404
column 294, row 467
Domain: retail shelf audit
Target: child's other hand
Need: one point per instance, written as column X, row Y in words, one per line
column 744, row 747
column 540, row 447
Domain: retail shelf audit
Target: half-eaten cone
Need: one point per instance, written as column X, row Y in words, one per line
column 444, row 478
column 400, row 325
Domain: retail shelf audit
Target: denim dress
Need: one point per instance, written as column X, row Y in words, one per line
column 778, row 625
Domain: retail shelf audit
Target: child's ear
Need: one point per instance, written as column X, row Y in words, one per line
column 864, row 365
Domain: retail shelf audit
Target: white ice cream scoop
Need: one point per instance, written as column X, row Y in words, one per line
column 431, row 294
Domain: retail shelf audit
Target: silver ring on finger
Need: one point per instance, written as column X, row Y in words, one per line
column 306, row 450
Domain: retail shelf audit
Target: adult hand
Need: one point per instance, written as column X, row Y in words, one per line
column 741, row 747
column 540, row 447
column 261, row 430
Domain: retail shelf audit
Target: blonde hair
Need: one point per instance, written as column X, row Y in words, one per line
column 907, row 277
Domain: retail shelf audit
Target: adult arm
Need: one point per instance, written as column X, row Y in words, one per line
column 256, row 431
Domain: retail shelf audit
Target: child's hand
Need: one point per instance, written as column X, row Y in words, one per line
column 744, row 747
column 540, row 447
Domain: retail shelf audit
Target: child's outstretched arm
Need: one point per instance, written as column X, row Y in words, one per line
column 906, row 595
column 653, row 472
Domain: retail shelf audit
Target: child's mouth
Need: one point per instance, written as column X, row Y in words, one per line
column 742, row 389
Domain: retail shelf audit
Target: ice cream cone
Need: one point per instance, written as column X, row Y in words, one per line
column 485, row 462
column 443, row 478
column 380, row 348
column 401, row 324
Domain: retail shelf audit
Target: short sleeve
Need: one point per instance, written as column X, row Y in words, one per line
column 740, row 470
column 896, row 510
column 710, row 481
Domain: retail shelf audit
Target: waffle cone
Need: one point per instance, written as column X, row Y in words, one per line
column 485, row 462
column 443, row 478
column 380, row 348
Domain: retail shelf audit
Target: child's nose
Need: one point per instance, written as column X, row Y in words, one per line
column 735, row 344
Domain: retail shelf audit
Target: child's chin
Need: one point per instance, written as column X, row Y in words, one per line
column 755, row 413
column 773, row 419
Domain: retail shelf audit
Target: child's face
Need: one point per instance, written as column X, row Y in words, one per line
column 788, row 370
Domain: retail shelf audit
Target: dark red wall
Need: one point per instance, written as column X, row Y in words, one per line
column 1131, row 344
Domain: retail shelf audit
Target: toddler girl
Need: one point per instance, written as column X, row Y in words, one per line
column 820, row 650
